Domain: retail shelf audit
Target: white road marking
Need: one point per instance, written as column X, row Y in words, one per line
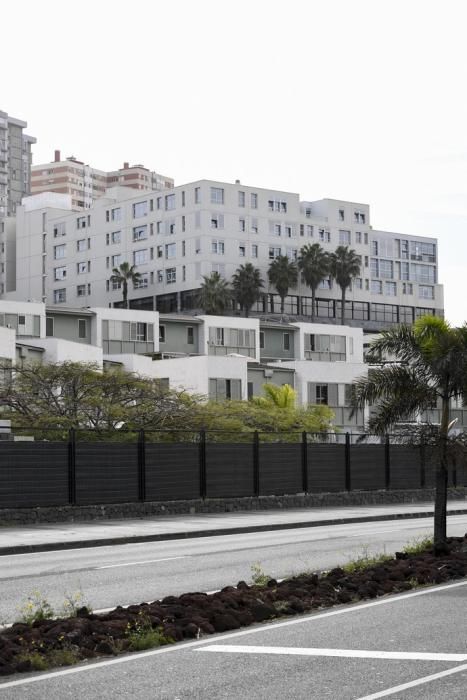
column 344, row 653
column 137, row 563
column 413, row 684
column 234, row 635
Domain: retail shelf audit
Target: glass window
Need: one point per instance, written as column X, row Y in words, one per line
column 386, row 269
column 426, row 292
column 344, row 237
column 170, row 250
column 390, row 289
column 161, row 334
column 81, row 267
column 190, row 335
column 241, row 199
column 140, row 233
column 81, row 245
column 140, row 209
column 60, row 273
column 376, row 287
column 116, row 236
column 170, row 275
column 274, row 253
column 60, row 251
column 116, row 214
column 117, row 260
column 81, row 222
column 254, row 200
column 60, row 229
column 49, row 326
column 81, row 290
column 217, row 195
column 286, row 341
column 197, row 195
column 142, row 282
column 140, row 256
column 81, row 328
column 322, row 394
column 169, row 202
column 59, row 296
column 242, row 250
column 374, row 247
column 241, row 225
column 254, row 251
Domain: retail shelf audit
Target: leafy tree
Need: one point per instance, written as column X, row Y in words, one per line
column 283, row 274
column 313, row 263
column 430, row 364
column 278, row 396
column 122, row 275
column 214, row 294
column 344, row 267
column 247, row 284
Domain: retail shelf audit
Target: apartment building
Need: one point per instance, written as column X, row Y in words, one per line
column 85, row 184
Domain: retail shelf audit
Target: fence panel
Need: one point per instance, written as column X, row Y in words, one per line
column 229, row 470
column 106, row 473
column 33, row 474
column 326, row 468
column 367, row 467
column 280, row 468
column 172, row 471
column 406, row 467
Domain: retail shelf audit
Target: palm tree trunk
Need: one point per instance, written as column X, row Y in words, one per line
column 441, row 483
column 125, row 293
column 313, row 304
column 282, row 304
column 343, row 307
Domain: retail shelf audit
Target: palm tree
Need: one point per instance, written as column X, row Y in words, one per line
column 313, row 262
column 214, row 294
column 344, row 266
column 430, row 364
column 247, row 284
column 283, row 396
column 122, row 275
column 283, row 273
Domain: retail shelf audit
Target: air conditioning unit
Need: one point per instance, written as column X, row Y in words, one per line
column 269, row 373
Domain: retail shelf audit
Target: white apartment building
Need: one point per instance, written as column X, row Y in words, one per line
column 177, row 236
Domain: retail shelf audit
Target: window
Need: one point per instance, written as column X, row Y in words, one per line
column 142, row 282
column 254, row 200
column 404, row 271
column 140, row 233
column 117, row 260
column 140, row 256
column 254, row 251
column 197, row 246
column 81, row 245
column 183, row 198
column 139, row 331
column 190, row 335
column 217, row 247
column 59, row 296
column 169, row 202
column 60, row 273
column 159, row 227
column 358, row 282
column 376, row 287
column 81, row 222
column 140, row 209
column 171, row 275
column 423, row 273
column 390, row 289
column 324, row 235
column 116, row 236
column 170, row 250
column 60, row 229
column 277, row 205
column 274, row 253
column 116, row 214
column 116, row 284
column 425, row 292
column 160, row 275
column 242, row 250
column 292, row 253
column 160, row 251
column 159, row 203
column 358, row 236
column 386, row 269
column 261, row 340
column 81, row 267
column 49, row 326
column 197, row 195
column 344, row 237
column 341, row 215
column 374, row 247
column 217, row 221
column 60, row 251
column 183, row 273
column 183, row 248
column 197, row 219
column 286, row 341
column 309, row 230
column 322, row 394
column 241, row 225
column 81, row 328
column 277, row 229
column 288, row 231
column 161, row 334
column 359, row 217
column 217, row 195
column 241, row 199
column 407, row 288
column 215, row 267
column 81, row 290
column 183, row 223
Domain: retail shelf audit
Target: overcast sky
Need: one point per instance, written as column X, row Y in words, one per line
column 364, row 100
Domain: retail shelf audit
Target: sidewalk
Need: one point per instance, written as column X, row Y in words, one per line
column 48, row 537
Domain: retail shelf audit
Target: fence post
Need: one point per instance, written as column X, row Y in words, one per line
column 422, row 465
column 387, row 463
column 202, row 464
column 304, row 462
column 256, row 463
column 72, row 467
column 348, row 476
column 141, row 466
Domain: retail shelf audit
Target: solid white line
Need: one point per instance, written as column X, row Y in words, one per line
column 344, row 653
column 413, row 684
column 137, row 563
column 233, row 635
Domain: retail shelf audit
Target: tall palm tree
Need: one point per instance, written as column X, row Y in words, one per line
column 313, row 262
column 214, row 294
column 122, row 275
column 247, row 285
column 283, row 274
column 345, row 265
column 430, row 364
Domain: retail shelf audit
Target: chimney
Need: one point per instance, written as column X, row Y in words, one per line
column 126, row 166
column 57, row 157
column 237, row 182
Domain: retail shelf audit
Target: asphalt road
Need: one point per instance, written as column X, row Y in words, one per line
column 408, row 647
column 133, row 573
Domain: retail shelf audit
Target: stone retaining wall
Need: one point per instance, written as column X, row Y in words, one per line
column 118, row 511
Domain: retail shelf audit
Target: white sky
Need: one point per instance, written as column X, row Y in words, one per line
column 364, row 100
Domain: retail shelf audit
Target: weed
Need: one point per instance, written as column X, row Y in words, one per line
column 38, row 661
column 142, row 635
column 73, row 603
column 418, row 546
column 366, row 561
column 63, row 657
column 258, row 576
column 36, row 608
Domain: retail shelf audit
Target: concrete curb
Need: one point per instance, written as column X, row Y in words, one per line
column 109, row 541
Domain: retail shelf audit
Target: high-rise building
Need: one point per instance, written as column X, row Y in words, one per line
column 15, row 163
column 176, row 236
column 85, row 184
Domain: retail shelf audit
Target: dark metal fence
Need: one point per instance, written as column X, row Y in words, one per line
column 84, row 468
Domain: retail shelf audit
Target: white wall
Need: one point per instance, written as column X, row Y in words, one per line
column 227, row 322
column 58, row 350
column 7, row 344
column 354, row 350
column 133, row 315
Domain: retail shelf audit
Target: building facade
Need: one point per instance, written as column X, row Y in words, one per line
column 15, row 164
column 85, row 184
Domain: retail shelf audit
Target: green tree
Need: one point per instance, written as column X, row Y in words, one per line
column 122, row 275
column 345, row 265
column 214, row 294
column 247, row 285
column 283, row 274
column 430, row 364
column 279, row 396
column 313, row 263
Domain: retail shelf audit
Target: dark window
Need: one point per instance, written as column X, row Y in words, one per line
column 161, row 334
column 49, row 326
column 190, row 336
column 81, row 328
